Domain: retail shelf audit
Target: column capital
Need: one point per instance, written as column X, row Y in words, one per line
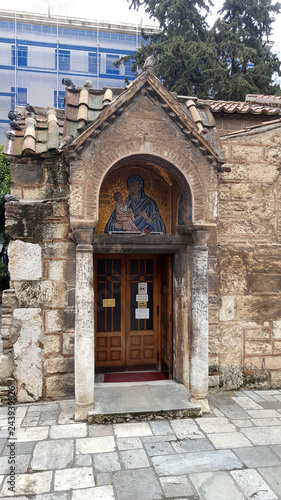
column 82, row 231
column 200, row 237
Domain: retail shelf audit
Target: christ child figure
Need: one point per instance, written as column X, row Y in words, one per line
column 123, row 214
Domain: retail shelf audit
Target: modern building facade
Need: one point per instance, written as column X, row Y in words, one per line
column 36, row 52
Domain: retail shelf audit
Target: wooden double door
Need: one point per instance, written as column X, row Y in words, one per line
column 133, row 312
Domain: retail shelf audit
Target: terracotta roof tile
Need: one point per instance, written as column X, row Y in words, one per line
column 260, row 107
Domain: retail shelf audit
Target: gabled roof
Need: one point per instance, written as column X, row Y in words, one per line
column 114, row 108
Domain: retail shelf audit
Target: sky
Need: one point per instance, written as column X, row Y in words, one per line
column 110, row 10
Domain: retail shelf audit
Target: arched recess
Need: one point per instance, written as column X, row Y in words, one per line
column 191, row 196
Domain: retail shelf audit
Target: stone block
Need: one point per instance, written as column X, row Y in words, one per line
column 68, row 344
column 52, row 345
column 258, row 309
column 25, row 260
column 273, row 362
column 231, row 344
column 70, row 272
column 228, row 308
column 56, row 270
column 257, row 333
column 216, row 485
column 28, row 353
column 71, row 297
column 59, row 386
column 44, row 294
column 6, row 366
column 69, row 319
column 53, row 320
column 56, row 231
column 247, row 153
column 58, row 365
column 256, row 348
column 266, row 283
column 213, row 381
column 275, row 378
column 277, row 347
column 246, row 191
column 253, row 363
column 276, row 329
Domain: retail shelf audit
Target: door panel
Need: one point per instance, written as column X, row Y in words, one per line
column 110, row 328
column 142, row 334
column 122, row 341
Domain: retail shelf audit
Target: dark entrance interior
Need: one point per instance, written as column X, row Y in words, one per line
column 133, row 312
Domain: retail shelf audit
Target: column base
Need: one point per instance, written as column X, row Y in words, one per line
column 204, row 403
column 81, row 412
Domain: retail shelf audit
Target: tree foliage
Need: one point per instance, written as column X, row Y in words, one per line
column 225, row 62
column 5, row 183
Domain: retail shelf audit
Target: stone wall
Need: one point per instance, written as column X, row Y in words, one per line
column 248, row 340
column 42, row 273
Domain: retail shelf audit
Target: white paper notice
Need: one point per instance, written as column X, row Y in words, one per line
column 141, row 298
column 141, row 313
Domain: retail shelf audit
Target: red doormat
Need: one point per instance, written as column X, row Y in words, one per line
column 134, row 377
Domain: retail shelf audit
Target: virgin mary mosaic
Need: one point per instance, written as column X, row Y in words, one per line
column 137, row 213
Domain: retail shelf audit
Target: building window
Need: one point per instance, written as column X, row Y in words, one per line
column 21, row 52
column 110, row 68
column 92, row 63
column 64, row 60
column 59, row 99
column 20, row 99
column 128, row 68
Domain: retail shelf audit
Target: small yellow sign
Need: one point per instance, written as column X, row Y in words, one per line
column 108, row 302
column 142, row 305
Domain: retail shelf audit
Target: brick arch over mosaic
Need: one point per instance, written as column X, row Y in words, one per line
column 191, row 200
column 165, row 192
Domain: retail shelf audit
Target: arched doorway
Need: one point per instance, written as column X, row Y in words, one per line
column 141, row 199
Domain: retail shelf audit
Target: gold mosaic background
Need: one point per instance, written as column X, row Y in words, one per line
column 157, row 184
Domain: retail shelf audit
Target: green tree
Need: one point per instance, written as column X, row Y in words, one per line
column 241, row 37
column 5, row 182
column 185, row 58
column 225, row 62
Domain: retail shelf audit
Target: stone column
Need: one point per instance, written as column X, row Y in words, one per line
column 84, row 320
column 199, row 317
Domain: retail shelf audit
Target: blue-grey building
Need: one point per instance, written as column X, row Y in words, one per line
column 36, row 52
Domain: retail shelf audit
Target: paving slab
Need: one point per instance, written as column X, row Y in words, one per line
column 177, row 486
column 192, row 445
column 68, row 431
column 99, row 493
column 272, row 476
column 53, row 454
column 253, row 485
column 129, row 443
column 132, row 429
column 162, row 448
column 138, row 484
column 229, row 440
column 213, row 425
column 186, row 428
column 100, row 444
column 31, row 434
column 134, row 459
column 258, row 456
column 187, row 463
column 75, row 478
column 263, row 435
column 30, row 484
column 216, row 486
column 106, row 462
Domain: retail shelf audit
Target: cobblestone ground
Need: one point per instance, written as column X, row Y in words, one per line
column 231, row 454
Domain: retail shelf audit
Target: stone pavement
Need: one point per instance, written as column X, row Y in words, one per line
column 232, row 453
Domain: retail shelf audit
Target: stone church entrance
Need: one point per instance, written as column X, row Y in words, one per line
column 133, row 312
